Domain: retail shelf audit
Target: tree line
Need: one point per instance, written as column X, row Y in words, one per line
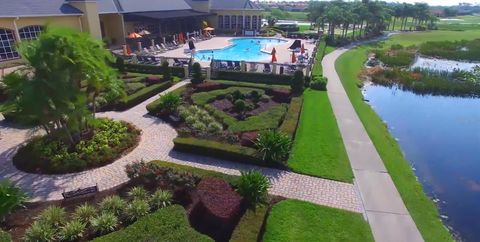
column 342, row 20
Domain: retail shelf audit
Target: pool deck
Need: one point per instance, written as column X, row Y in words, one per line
column 283, row 54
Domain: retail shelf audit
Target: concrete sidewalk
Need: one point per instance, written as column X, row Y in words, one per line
column 386, row 213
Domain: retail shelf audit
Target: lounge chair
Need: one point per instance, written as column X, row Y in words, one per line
column 237, row 66
column 230, row 66
column 179, row 63
column 165, row 47
column 266, row 68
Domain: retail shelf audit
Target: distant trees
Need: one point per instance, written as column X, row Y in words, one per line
column 358, row 19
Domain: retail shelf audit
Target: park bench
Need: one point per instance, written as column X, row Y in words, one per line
column 81, row 192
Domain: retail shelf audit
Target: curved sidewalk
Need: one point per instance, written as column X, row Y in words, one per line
column 386, row 213
column 157, row 144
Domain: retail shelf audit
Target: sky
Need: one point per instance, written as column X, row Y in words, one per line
column 430, row 2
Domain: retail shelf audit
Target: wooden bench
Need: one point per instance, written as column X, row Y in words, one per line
column 81, row 192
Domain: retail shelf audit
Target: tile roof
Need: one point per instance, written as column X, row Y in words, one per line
column 129, row 6
column 36, row 8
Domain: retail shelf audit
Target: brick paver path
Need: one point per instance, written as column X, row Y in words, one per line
column 388, row 217
column 156, row 144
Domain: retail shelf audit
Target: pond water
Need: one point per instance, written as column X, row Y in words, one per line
column 442, row 64
column 242, row 49
column 440, row 136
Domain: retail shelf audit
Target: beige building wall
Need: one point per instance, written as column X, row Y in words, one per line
column 112, row 27
column 90, row 18
column 244, row 13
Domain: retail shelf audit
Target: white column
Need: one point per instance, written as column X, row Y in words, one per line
column 274, row 69
column 17, row 34
column 243, row 66
column 185, row 70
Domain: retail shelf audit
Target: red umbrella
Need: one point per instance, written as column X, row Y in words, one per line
column 294, row 58
column 302, row 50
column 181, row 39
column 274, row 56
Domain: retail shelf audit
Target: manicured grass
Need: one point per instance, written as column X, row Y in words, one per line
column 197, row 171
column 167, row 224
column 248, row 229
column 318, row 148
column 423, row 210
column 408, row 39
column 299, row 221
column 267, row 120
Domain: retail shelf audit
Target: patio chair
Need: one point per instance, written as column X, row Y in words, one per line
column 266, row 68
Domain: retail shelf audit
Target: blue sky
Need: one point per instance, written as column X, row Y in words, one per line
column 431, row 2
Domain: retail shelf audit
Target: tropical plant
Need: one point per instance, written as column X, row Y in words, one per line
column 84, row 213
column 197, row 76
column 53, row 216
column 72, row 231
column 167, row 72
column 253, row 186
column 169, row 103
column 11, row 197
column 161, row 199
column 138, row 193
column 40, row 232
column 273, row 146
column 112, row 204
column 104, row 223
column 136, row 209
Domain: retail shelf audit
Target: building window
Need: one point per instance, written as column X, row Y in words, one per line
column 254, row 22
column 227, row 22
column 234, row 22
column 30, row 32
column 240, row 22
column 220, row 21
column 7, row 45
column 247, row 22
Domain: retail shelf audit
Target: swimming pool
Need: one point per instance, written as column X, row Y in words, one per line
column 242, row 49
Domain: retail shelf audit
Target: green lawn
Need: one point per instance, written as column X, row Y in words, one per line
column 318, row 148
column 300, row 16
column 422, row 209
column 298, row 221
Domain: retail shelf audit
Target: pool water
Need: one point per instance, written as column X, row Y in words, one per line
column 242, row 49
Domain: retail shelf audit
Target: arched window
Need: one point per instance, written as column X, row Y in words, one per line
column 30, row 32
column 7, row 45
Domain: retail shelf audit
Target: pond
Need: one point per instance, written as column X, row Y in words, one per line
column 440, row 136
column 442, row 65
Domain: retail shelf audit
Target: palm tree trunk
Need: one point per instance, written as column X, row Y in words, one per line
column 394, row 21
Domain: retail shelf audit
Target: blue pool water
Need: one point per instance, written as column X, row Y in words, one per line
column 242, row 49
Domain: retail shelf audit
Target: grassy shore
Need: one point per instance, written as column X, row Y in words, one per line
column 299, row 221
column 423, row 210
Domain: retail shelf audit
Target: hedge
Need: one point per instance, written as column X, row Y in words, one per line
column 290, row 123
column 232, row 179
column 216, row 149
column 254, row 77
column 167, row 224
column 250, row 226
column 142, row 95
column 151, row 69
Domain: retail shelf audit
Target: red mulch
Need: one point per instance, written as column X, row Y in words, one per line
column 248, row 139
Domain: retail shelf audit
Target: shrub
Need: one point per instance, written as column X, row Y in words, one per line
column 273, row 147
column 84, row 213
column 197, row 76
column 161, row 199
column 215, row 128
column 138, row 193
column 112, row 204
column 150, row 172
column 280, row 94
column 120, row 63
column 290, row 122
column 53, row 216
column 104, row 223
column 142, row 95
column 167, row 72
column 151, row 80
column 4, row 236
column 10, row 196
column 151, row 69
column 265, row 98
column 297, row 82
column 136, row 209
column 72, row 231
column 229, row 97
column 253, row 187
column 167, row 224
column 39, row 232
column 240, row 106
column 254, row 77
column 319, row 83
column 199, row 127
column 133, row 87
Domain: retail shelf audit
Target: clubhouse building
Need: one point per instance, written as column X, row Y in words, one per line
column 113, row 20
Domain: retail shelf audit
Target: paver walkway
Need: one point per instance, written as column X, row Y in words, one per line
column 156, row 144
column 388, row 217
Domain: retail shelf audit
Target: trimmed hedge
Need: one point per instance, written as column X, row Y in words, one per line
column 232, row 179
column 254, row 77
column 250, row 226
column 142, row 95
column 4, row 236
column 151, row 69
column 167, row 224
column 217, row 150
column 290, row 123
